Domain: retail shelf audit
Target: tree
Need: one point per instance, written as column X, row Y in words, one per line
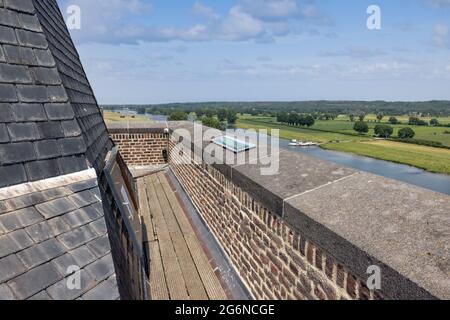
column 361, row 127
column 434, row 122
column 380, row 117
column 212, row 123
column 232, row 116
column 383, row 130
column 141, row 110
column 178, row 116
column 293, row 118
column 308, row 121
column 282, row 117
column 393, row 120
column 414, row 121
column 406, row 133
column 222, row 115
column 352, row 117
column 362, row 116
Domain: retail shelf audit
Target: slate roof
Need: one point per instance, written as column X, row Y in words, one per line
column 50, row 123
column 48, row 226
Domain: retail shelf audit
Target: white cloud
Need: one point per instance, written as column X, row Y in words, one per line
column 239, row 25
column 439, row 3
column 442, row 35
column 114, row 22
column 204, row 11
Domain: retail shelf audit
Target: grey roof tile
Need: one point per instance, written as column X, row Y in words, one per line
column 7, row 35
column 104, row 291
column 100, row 246
column 71, row 128
column 83, row 256
column 31, row 39
column 76, row 218
column 40, row 232
column 24, row 112
column 6, row 114
column 30, row 22
column 41, row 296
column 59, row 111
column 20, row 132
column 4, row 136
column 34, row 281
column 44, row 58
column 16, row 152
column 47, row 149
column 20, row 5
column 5, row 293
column 84, row 198
column 19, row 55
column 41, row 253
column 14, row 74
column 49, row 76
column 56, row 207
column 10, row 267
column 72, row 146
column 83, row 185
column 50, row 130
column 14, row 242
column 77, row 237
column 42, row 169
column 101, row 269
column 9, row 18
column 61, row 291
column 47, row 229
column 99, row 226
column 13, row 174
column 63, row 263
column 72, row 164
column 20, row 219
column 8, row 93
column 2, row 55
column 57, row 94
column 32, row 93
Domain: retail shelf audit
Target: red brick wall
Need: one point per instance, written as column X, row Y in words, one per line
column 141, row 149
column 274, row 260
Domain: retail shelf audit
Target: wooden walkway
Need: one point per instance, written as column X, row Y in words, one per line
column 179, row 268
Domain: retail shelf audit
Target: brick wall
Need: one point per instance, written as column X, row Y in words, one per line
column 141, row 149
column 273, row 259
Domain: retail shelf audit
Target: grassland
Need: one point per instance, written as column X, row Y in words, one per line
column 328, row 132
column 427, row 158
column 110, row 116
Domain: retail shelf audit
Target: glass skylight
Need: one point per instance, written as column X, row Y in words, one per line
column 233, row 144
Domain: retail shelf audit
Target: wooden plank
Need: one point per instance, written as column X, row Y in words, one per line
column 174, row 276
column 211, row 282
column 149, row 233
column 192, row 278
column 183, row 222
column 158, row 285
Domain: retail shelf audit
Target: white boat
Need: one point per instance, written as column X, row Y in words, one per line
column 295, row 143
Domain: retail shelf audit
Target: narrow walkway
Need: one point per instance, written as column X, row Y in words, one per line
column 179, row 268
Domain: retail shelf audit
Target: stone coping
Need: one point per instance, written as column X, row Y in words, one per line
column 360, row 218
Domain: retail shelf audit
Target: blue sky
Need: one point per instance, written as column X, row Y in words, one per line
column 157, row 51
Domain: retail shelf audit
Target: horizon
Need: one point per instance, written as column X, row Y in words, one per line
column 158, row 52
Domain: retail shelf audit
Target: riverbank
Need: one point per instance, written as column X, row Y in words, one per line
column 431, row 159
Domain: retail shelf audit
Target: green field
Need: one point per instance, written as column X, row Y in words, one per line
column 344, row 127
column 111, row 116
column 329, row 132
column 427, row 158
